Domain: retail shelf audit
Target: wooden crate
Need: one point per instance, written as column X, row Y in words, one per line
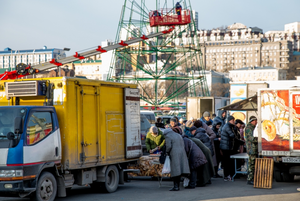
column 263, row 175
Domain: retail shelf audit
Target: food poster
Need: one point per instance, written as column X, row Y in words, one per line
column 275, row 122
column 296, row 120
column 238, row 92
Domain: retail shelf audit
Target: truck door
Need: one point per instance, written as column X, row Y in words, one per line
column 295, row 121
column 88, row 127
column 132, row 114
column 42, row 137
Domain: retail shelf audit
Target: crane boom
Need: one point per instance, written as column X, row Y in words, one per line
column 59, row 62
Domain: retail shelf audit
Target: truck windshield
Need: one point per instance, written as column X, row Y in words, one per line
column 7, row 119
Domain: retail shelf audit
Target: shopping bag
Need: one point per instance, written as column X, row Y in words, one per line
column 185, row 181
column 167, row 166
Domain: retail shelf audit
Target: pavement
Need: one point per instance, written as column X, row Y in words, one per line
column 143, row 188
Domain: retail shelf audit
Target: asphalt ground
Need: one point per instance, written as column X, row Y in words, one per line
column 145, row 188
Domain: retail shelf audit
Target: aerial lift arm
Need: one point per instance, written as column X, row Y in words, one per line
column 24, row 70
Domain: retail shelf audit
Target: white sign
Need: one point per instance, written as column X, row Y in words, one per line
column 133, row 123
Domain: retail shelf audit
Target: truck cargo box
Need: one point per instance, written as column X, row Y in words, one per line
column 91, row 117
column 195, row 106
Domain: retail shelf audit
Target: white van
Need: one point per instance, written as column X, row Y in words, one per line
column 149, row 115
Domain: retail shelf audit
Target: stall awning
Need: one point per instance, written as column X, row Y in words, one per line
column 249, row 104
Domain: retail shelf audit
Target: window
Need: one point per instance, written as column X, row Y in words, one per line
column 39, row 126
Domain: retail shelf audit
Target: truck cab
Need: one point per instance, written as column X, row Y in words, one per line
column 29, row 143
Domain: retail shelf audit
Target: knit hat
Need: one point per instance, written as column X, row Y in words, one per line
column 206, row 114
column 174, row 120
column 230, row 118
column 252, row 118
column 153, row 129
column 193, row 128
column 189, row 123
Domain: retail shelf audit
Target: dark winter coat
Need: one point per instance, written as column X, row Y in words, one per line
column 175, row 149
column 210, row 122
column 177, row 129
column 195, row 155
column 215, row 130
column 207, row 170
column 219, row 118
column 212, row 137
column 201, row 135
column 227, row 137
column 187, row 132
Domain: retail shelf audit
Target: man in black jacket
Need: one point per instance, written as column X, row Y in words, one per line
column 226, row 145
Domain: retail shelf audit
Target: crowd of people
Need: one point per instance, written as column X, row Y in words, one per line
column 198, row 149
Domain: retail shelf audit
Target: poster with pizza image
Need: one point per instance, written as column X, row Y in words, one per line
column 296, row 120
column 238, row 92
column 275, row 120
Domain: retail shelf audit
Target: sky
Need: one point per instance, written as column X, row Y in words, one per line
column 82, row 24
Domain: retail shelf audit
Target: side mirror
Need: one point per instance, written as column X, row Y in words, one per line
column 18, row 125
column 10, row 136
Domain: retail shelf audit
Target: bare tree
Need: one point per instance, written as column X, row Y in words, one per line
column 220, row 89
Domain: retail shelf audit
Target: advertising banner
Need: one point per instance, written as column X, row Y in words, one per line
column 238, row 92
column 296, row 120
column 275, row 120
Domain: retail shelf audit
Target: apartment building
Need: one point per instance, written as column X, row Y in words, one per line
column 10, row 58
column 239, row 46
column 267, row 73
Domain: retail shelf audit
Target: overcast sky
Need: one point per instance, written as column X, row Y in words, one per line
column 81, row 24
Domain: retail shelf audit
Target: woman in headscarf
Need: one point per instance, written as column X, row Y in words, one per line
column 174, row 126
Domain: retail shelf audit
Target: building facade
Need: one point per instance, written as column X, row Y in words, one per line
column 10, row 58
column 267, row 73
column 239, row 46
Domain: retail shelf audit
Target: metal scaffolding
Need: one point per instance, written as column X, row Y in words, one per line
column 166, row 68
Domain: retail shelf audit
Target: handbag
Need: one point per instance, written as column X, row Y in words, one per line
column 163, row 155
column 167, row 166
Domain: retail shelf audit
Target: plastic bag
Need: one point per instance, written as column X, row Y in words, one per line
column 186, row 181
column 167, row 166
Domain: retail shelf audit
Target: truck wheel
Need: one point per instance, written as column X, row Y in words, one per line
column 278, row 176
column 111, row 179
column 287, row 177
column 46, row 187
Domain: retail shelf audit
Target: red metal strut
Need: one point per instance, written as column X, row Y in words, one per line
column 78, row 56
column 123, row 43
column 100, row 49
column 53, row 61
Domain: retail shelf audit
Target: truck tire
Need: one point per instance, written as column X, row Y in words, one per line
column 287, row 177
column 46, row 187
column 278, row 176
column 111, row 179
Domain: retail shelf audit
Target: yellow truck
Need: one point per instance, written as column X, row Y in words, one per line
column 57, row 132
